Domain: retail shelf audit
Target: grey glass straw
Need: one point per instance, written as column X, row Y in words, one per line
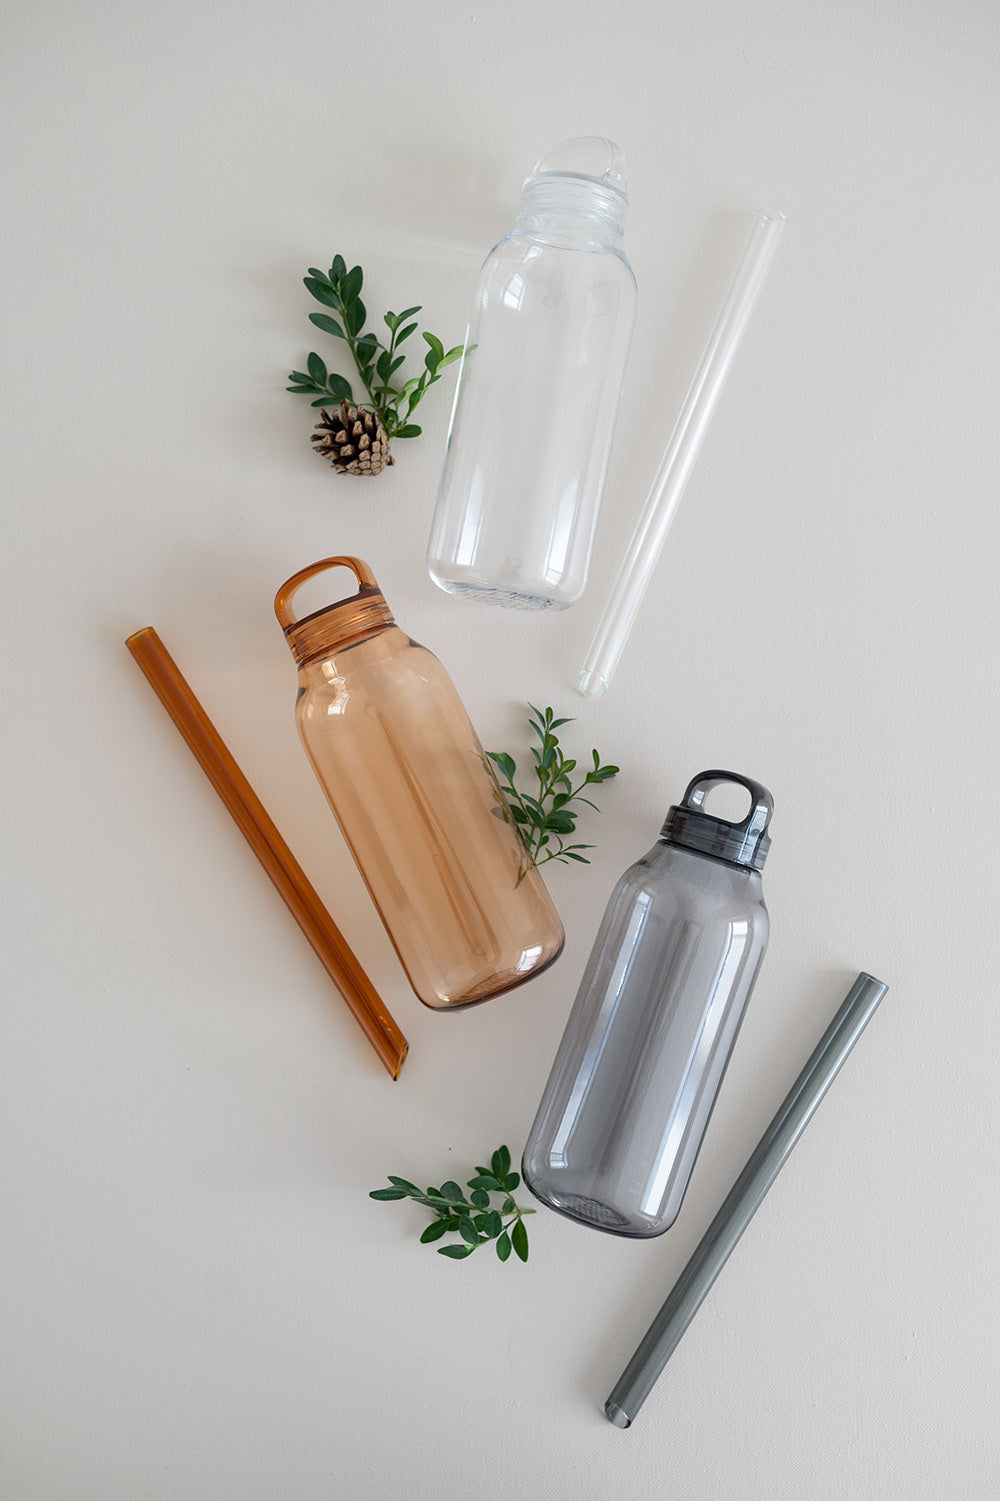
column 743, row 1199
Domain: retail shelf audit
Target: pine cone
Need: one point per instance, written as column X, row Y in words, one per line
column 353, row 439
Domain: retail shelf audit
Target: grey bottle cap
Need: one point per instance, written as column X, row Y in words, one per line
column 745, row 843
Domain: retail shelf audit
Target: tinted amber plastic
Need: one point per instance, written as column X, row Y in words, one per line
column 416, row 799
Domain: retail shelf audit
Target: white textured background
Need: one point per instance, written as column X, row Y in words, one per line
column 200, row 1303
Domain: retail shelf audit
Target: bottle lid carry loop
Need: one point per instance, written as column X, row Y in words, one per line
column 743, row 843
column 325, row 629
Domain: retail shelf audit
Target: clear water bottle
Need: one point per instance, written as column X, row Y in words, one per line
column 415, row 796
column 647, row 1043
column 539, row 390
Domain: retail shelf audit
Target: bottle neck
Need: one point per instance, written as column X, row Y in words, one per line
column 318, row 635
column 364, row 651
column 573, row 212
column 667, row 850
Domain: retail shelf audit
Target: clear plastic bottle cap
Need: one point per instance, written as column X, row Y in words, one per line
column 591, row 158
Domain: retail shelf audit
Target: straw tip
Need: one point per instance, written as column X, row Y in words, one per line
column 617, row 1415
column 397, row 1066
column 591, row 684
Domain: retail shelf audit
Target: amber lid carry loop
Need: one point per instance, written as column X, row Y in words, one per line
column 327, row 628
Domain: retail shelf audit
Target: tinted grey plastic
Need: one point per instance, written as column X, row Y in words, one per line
column 639, row 1067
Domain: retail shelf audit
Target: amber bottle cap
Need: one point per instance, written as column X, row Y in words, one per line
column 320, row 633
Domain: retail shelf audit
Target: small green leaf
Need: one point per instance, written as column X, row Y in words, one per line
column 519, row 1240
column 503, row 1246
column 434, row 1231
column 322, row 291
column 387, row 1193
column 511, row 1182
column 457, row 1253
column 352, row 283
column 506, row 763
column 469, row 1233
column 317, row 369
column 480, row 1198
column 406, row 332
column 355, row 314
column 508, row 1206
column 492, row 1226
column 486, row 1181
column 327, row 324
column 403, row 1183
column 562, row 821
column 451, row 1191
column 409, row 430
column 338, row 388
column 339, row 268
column 501, row 1162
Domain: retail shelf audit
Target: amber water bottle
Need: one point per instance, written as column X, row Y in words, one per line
column 416, row 799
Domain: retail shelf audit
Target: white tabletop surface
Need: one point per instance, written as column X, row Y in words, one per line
column 199, row 1300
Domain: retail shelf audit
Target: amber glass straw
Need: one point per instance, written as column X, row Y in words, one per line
column 271, row 850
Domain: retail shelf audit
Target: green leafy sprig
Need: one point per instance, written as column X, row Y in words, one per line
column 544, row 816
column 377, row 363
column 473, row 1218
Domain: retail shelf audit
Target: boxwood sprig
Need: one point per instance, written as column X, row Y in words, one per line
column 472, row 1217
column 544, row 815
column 393, row 400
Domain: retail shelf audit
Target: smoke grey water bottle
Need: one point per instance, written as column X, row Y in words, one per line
column 661, row 1001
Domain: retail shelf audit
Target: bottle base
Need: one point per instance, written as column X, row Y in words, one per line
column 496, row 594
column 594, row 1213
column 496, row 983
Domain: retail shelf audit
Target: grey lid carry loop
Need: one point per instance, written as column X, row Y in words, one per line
column 744, row 843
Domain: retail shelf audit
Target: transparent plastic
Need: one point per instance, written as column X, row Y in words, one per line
column 539, row 390
column 639, row 1067
column 415, row 796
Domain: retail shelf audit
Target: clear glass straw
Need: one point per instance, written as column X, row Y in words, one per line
column 679, row 458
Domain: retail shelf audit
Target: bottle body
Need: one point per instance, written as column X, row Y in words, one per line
column 414, row 794
column 637, row 1073
column 536, row 402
